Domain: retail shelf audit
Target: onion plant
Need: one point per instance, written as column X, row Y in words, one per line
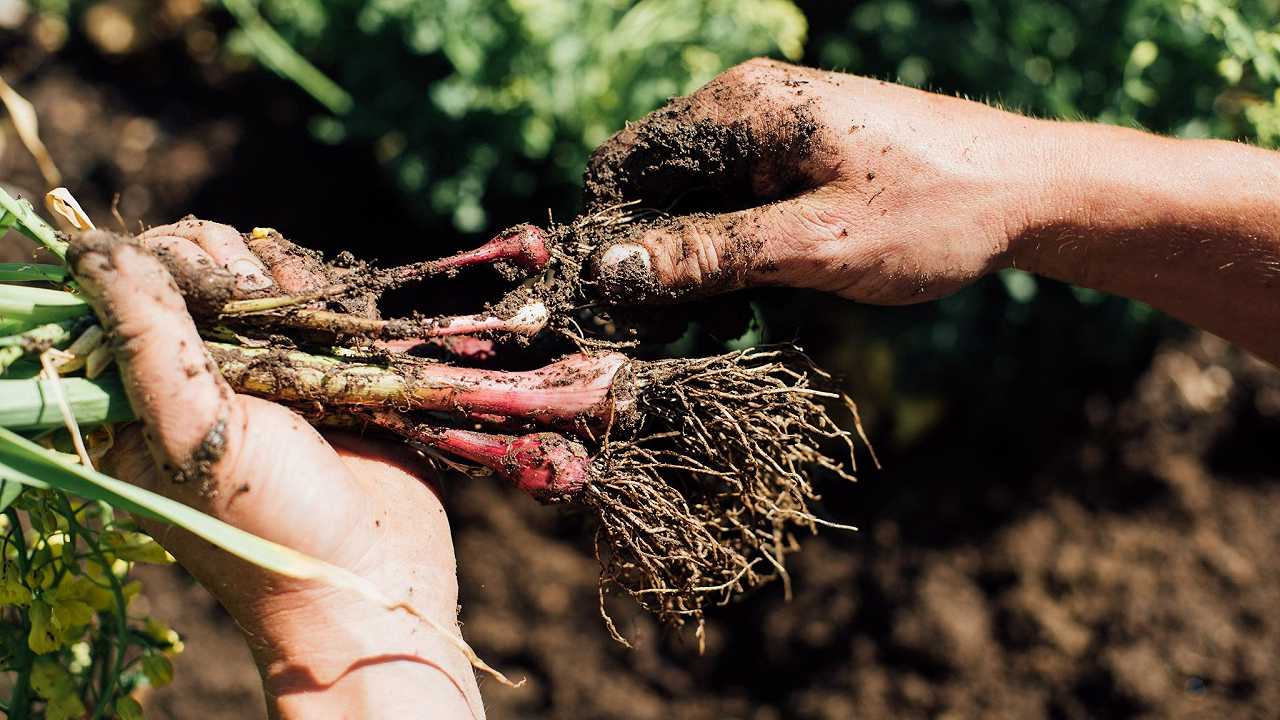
column 699, row 472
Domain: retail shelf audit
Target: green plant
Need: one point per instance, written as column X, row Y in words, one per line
column 476, row 104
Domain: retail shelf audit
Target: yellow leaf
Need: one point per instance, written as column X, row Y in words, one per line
column 136, row 547
column 62, row 203
column 128, row 709
column 12, row 591
column 24, row 119
column 65, row 707
column 48, row 678
column 42, row 639
column 71, row 614
column 158, row 669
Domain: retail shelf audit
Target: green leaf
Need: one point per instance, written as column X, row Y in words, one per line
column 158, row 669
column 277, row 54
column 32, row 225
column 39, row 305
column 28, row 404
column 31, row 272
column 9, row 491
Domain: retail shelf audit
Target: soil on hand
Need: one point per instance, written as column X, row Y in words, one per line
column 1132, row 571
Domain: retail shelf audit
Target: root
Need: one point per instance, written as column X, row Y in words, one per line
column 703, row 503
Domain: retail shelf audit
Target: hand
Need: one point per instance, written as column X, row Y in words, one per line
column 890, row 195
column 351, row 502
column 877, row 192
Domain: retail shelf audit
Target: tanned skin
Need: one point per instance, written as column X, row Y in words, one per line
column 907, row 196
column 895, row 196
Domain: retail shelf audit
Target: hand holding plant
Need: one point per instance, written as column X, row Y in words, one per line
column 354, row 503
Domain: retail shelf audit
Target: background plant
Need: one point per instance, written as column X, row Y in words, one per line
column 473, row 105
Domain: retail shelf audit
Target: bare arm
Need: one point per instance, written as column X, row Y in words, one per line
column 889, row 195
column 1190, row 226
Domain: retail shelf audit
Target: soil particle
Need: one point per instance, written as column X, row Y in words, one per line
column 1139, row 674
column 677, row 155
column 198, row 467
column 205, row 290
column 949, row 624
column 632, row 280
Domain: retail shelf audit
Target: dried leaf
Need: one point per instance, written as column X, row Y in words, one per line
column 23, row 115
column 62, row 203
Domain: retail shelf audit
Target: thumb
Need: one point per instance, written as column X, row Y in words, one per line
column 169, row 378
column 696, row 255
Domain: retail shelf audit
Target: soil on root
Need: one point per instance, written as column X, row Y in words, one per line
column 1133, row 573
column 1135, row 579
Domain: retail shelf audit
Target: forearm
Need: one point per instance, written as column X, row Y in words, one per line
column 1190, row 227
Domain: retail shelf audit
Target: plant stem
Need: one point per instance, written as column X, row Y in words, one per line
column 35, row 340
column 119, row 618
column 577, row 390
column 522, row 246
column 276, row 53
column 32, row 226
column 549, row 467
column 27, row 404
column 524, row 322
column 31, row 272
column 19, row 701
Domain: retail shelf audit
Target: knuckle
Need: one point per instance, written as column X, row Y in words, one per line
column 700, row 262
column 819, row 222
column 756, row 67
column 743, row 75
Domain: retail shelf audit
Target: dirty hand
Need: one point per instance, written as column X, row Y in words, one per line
column 359, row 505
column 878, row 192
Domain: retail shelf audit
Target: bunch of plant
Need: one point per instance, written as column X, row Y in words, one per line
column 699, row 472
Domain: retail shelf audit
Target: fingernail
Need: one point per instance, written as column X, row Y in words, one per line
column 624, row 273
column 249, row 276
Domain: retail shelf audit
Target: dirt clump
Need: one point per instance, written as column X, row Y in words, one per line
column 681, row 155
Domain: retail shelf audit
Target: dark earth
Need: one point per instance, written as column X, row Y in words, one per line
column 1072, row 544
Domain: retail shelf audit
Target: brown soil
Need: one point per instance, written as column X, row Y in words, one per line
column 1132, row 571
column 693, row 152
column 1141, row 581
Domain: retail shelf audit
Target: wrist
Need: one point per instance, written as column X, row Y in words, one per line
column 328, row 655
column 1191, row 227
column 1134, row 213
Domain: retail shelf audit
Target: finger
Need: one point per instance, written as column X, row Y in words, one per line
column 171, row 381
column 224, row 245
column 783, row 243
column 295, row 269
column 205, row 285
column 745, row 136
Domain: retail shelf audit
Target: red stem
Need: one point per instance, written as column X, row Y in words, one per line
column 526, row 322
column 547, row 466
column 468, row 347
column 522, row 245
column 570, row 392
column 582, row 392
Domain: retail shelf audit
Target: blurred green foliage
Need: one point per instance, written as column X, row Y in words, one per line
column 1192, row 68
column 1195, row 68
column 476, row 103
